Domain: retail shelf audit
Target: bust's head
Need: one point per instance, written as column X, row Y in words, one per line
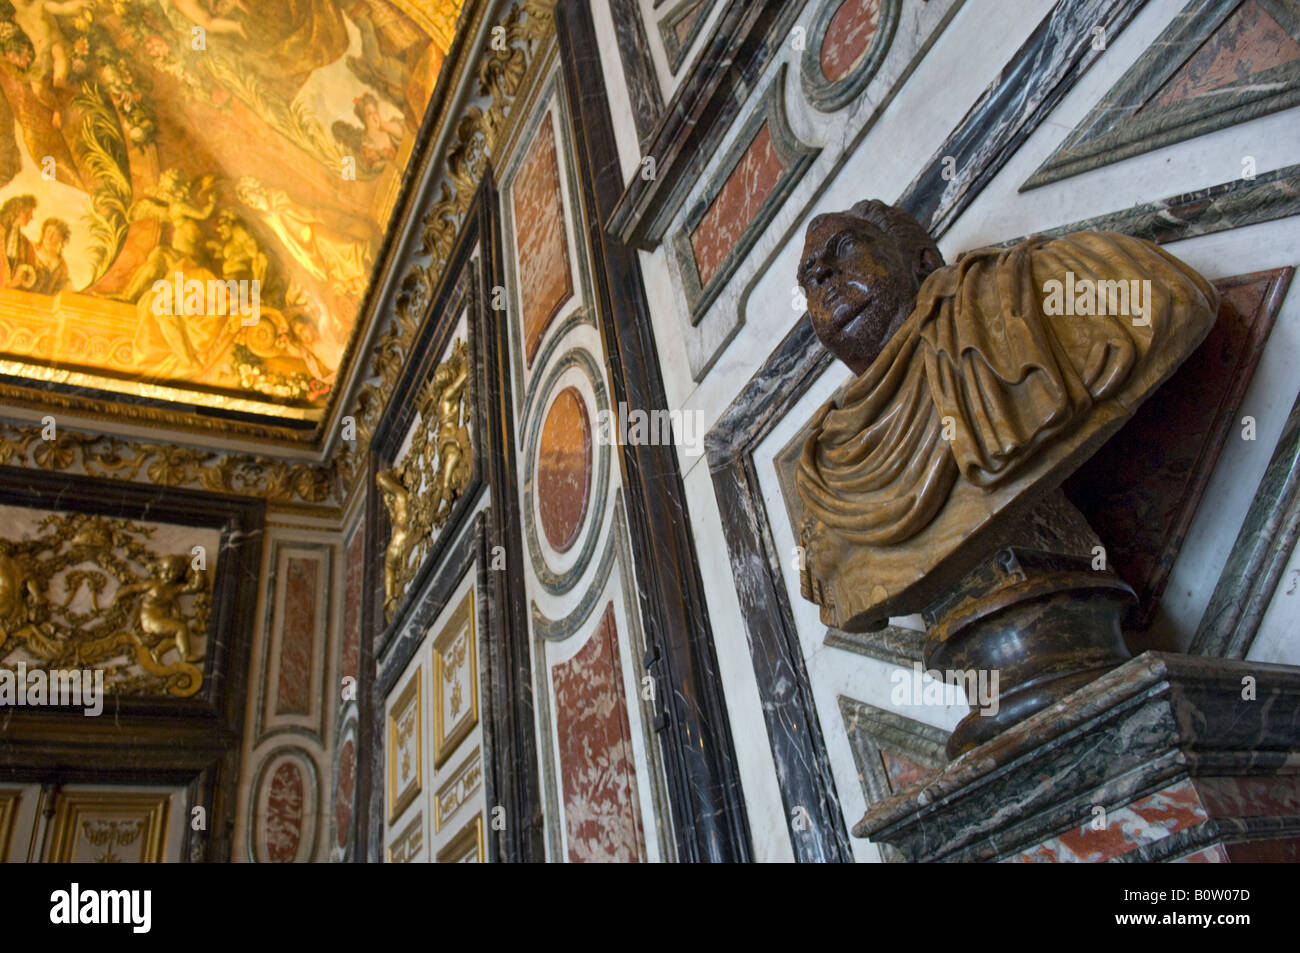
column 861, row 270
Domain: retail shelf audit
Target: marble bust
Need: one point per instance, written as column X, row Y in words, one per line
column 980, row 386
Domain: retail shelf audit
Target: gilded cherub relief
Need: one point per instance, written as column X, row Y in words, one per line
column 90, row 591
column 436, row 469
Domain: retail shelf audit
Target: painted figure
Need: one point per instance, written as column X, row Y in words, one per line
column 51, row 275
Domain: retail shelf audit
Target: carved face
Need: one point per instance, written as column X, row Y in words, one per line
column 169, row 568
column 860, row 283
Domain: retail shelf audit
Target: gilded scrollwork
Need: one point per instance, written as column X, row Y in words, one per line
column 436, row 469
column 475, row 137
column 89, row 591
column 110, row 457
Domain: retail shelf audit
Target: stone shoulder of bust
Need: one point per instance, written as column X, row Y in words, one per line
column 981, row 385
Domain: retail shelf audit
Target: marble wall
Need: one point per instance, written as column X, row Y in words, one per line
column 435, row 808
column 602, row 784
column 871, row 92
column 286, row 808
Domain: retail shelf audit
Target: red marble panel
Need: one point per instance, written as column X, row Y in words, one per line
column 298, row 636
column 1250, row 797
column 564, row 469
column 601, row 812
column 343, row 791
column 902, row 772
column 283, row 823
column 848, row 37
column 1282, row 851
column 540, row 240
column 757, row 173
column 1214, row 854
column 355, row 572
column 1245, row 44
column 1141, row 490
column 1144, row 821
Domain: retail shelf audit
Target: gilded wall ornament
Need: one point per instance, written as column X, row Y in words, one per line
column 90, row 592
column 438, row 466
column 474, row 136
column 113, row 458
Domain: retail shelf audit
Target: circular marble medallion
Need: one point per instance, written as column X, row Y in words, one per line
column 564, row 469
column 848, row 37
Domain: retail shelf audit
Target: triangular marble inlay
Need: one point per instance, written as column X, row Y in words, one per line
column 1220, row 62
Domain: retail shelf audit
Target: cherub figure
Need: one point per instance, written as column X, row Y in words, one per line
column 23, row 612
column 159, row 614
column 39, row 20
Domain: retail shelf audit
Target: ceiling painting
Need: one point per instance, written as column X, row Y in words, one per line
column 193, row 192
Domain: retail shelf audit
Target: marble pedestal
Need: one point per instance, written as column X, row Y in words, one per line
column 1166, row 757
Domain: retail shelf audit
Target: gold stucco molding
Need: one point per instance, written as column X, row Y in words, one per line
column 57, row 449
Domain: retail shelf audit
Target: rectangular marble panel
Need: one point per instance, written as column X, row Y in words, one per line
column 541, row 242
column 1249, row 42
column 355, row 569
column 298, row 638
column 601, row 810
column 753, row 179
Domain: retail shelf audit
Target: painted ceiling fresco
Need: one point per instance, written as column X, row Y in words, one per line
column 193, row 192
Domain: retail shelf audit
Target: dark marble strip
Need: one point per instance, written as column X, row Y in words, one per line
column 703, row 778
column 1218, row 208
column 776, row 386
column 798, row 748
column 1120, row 126
column 1259, row 556
column 638, row 68
column 893, row 644
column 713, row 93
column 1028, row 88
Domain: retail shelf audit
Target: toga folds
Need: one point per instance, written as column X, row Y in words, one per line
column 974, row 384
